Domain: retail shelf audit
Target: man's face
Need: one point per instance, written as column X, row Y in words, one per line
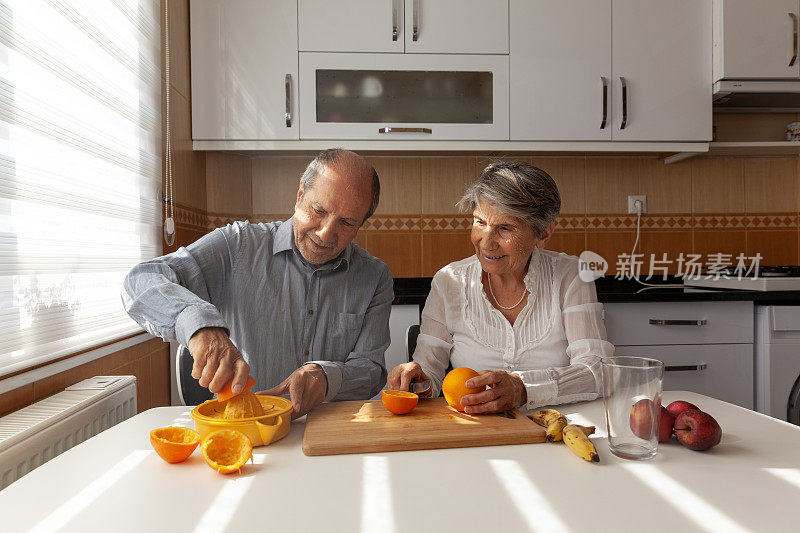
column 328, row 216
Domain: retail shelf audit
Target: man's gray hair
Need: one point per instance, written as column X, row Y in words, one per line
column 519, row 190
column 350, row 163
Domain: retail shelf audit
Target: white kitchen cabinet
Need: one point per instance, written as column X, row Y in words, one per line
column 411, row 26
column 244, row 69
column 706, row 347
column 350, row 25
column 649, row 54
column 662, row 70
column 422, row 96
column 560, row 70
column 722, row 371
column 456, row 26
column 756, row 39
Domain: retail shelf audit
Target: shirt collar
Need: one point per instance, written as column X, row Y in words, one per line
column 284, row 241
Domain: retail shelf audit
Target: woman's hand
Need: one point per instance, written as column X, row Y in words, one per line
column 506, row 391
column 402, row 376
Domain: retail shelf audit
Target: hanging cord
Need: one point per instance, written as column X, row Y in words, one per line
column 638, row 205
column 169, row 205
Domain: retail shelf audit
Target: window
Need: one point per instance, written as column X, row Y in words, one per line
column 80, row 167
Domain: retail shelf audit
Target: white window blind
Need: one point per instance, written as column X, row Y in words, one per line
column 80, row 167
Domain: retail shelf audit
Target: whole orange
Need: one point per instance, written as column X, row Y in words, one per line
column 399, row 402
column 174, row 444
column 227, row 450
column 454, row 388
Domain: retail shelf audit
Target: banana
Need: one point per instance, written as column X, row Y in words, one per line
column 555, row 429
column 545, row 417
column 578, row 442
column 587, row 430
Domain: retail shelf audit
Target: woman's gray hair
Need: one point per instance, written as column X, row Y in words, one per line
column 519, row 190
column 351, row 163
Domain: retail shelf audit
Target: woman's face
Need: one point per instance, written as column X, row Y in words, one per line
column 502, row 243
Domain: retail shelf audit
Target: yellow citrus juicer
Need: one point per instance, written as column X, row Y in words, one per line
column 273, row 425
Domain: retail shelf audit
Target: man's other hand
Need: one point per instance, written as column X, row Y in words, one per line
column 217, row 360
column 306, row 386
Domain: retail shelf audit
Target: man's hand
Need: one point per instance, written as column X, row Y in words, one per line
column 216, row 360
column 306, row 387
column 506, row 392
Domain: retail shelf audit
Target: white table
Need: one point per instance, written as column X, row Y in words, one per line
column 115, row 482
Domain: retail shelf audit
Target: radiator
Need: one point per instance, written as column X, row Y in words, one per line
column 37, row 433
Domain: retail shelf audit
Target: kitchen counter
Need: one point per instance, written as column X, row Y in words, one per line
column 115, row 481
column 413, row 291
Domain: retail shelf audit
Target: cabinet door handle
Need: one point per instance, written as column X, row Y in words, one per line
column 405, row 130
column 624, row 103
column 415, row 19
column 288, row 114
column 660, row 322
column 794, row 39
column 394, row 20
column 605, row 102
column 685, row 368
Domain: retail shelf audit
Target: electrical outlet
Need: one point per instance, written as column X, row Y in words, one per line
column 632, row 203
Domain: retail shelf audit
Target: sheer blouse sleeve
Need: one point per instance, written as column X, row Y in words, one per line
column 435, row 339
column 582, row 317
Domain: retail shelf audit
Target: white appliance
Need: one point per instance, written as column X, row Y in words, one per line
column 777, row 361
column 767, row 278
column 35, row 434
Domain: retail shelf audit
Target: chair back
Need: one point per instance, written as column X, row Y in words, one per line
column 189, row 389
column 411, row 340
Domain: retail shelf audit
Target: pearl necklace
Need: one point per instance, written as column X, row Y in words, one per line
column 489, row 276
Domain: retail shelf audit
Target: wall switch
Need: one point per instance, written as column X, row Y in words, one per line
column 632, row 203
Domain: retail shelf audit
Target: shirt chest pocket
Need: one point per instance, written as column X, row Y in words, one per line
column 341, row 335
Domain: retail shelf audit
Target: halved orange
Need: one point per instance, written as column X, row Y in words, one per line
column 454, row 388
column 399, row 402
column 174, row 444
column 227, row 450
column 226, row 393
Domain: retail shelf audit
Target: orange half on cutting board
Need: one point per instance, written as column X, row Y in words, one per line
column 226, row 393
column 399, row 402
column 174, row 444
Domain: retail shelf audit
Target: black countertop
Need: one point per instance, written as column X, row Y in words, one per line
column 413, row 291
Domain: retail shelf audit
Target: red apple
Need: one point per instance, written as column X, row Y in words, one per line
column 677, row 407
column 665, row 425
column 641, row 418
column 697, row 430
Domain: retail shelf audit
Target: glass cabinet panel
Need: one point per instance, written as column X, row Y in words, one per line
column 403, row 96
column 408, row 96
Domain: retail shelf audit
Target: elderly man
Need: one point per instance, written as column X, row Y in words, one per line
column 295, row 304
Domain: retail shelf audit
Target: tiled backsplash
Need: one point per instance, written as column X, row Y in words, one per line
column 703, row 205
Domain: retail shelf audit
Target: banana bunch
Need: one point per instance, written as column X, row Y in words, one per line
column 574, row 436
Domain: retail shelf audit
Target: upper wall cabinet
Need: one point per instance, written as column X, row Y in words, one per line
column 410, row 26
column 589, row 70
column 756, row 39
column 244, row 69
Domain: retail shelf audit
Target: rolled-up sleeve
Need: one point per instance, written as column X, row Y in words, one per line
column 173, row 296
column 363, row 373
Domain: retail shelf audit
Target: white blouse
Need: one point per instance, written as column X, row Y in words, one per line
column 555, row 344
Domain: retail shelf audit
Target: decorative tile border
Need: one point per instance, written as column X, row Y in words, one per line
column 196, row 219
column 190, row 217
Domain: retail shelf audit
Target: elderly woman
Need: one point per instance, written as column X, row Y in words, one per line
column 517, row 314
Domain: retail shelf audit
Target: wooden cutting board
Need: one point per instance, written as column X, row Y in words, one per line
column 362, row 427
